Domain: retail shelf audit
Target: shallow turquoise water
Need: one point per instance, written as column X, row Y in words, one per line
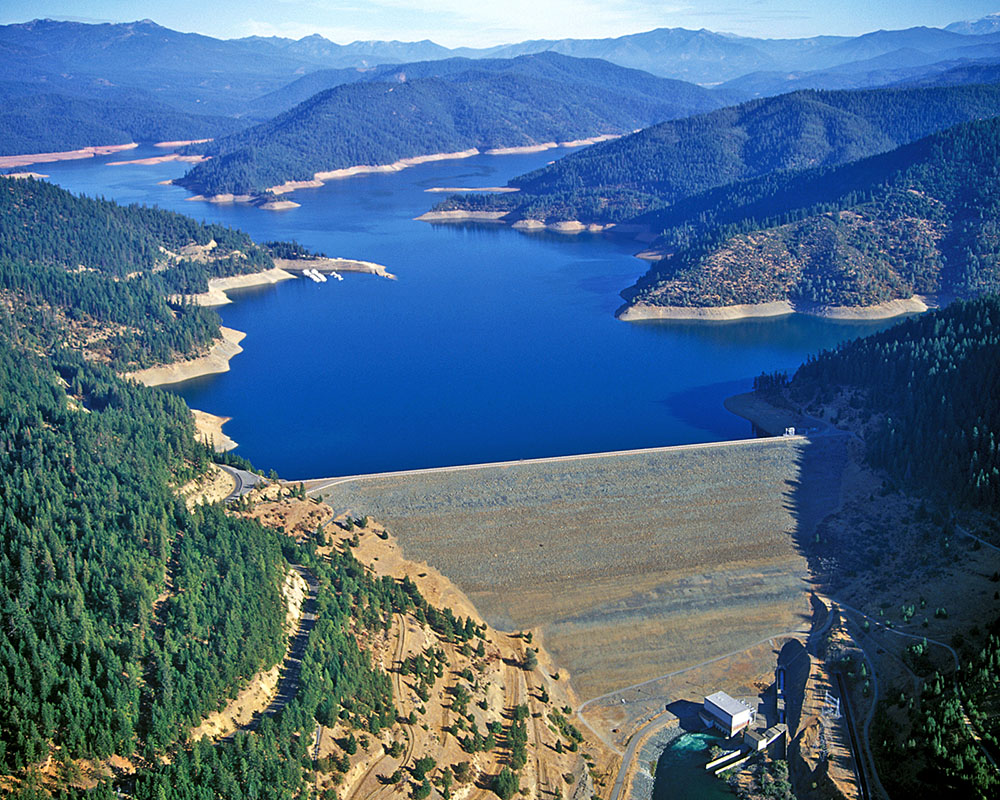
column 492, row 345
column 681, row 773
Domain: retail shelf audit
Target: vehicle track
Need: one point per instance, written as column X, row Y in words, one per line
column 398, row 679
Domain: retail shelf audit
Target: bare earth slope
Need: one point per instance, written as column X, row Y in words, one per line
column 632, row 565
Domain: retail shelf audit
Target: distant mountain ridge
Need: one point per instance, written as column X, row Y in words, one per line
column 108, row 74
column 700, row 56
column 489, row 104
column 661, row 165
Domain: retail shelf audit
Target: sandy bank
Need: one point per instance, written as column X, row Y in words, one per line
column 641, row 311
column 462, row 216
column 279, row 205
column 538, row 148
column 334, row 265
column 892, row 308
column 320, row 178
column 527, row 148
column 218, row 287
column 35, row 175
column 571, row 226
column 208, row 428
column 181, row 142
column 473, row 189
column 65, row 155
column 605, row 137
column 161, row 160
column 222, row 199
column 212, row 363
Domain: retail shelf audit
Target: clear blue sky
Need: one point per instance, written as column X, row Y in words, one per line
column 486, row 22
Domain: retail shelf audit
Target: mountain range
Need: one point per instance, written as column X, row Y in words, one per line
column 615, row 181
column 457, row 105
column 141, row 66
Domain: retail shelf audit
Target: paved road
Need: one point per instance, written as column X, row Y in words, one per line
column 319, row 484
column 245, row 481
column 653, row 724
column 660, row 722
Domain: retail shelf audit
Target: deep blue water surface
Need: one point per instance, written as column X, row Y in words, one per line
column 492, row 345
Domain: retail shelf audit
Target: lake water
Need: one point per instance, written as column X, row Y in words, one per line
column 492, row 345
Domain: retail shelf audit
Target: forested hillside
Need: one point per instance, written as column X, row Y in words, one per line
column 917, row 220
column 128, row 616
column 616, row 181
column 922, row 396
column 89, row 521
column 927, row 391
column 670, row 98
column 44, row 123
column 535, row 100
column 86, row 270
column 101, row 654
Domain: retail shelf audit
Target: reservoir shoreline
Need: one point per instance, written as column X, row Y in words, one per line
column 636, row 312
column 323, row 176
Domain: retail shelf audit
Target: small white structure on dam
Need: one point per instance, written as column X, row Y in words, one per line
column 726, row 713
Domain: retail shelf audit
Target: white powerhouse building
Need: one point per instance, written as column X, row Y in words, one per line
column 726, row 713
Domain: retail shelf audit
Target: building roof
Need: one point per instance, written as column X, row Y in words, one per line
column 730, row 705
column 756, row 736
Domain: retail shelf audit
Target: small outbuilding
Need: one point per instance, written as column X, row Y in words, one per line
column 725, row 713
column 754, row 740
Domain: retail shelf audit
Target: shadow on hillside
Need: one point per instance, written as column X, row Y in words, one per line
column 814, row 496
column 687, row 713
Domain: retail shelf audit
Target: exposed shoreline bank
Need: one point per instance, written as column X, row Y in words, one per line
column 333, row 265
column 322, row 177
column 472, row 189
column 160, row 160
column 218, row 287
column 527, row 225
column 209, row 431
column 212, row 363
column 637, row 312
column 27, row 159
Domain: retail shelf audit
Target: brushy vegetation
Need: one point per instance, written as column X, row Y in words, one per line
column 917, row 220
